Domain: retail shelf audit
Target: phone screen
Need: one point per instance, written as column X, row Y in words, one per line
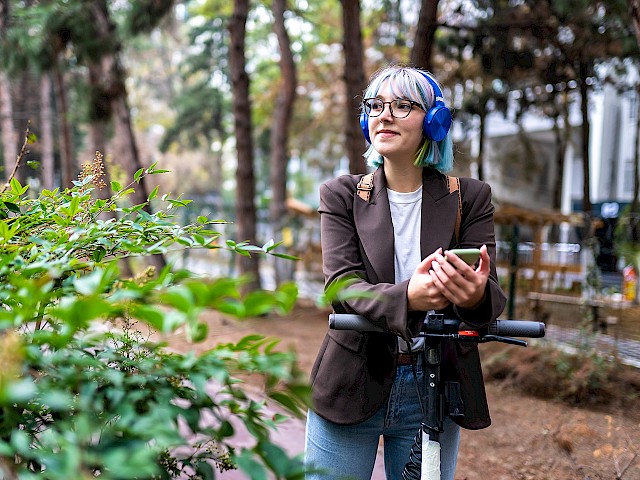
column 467, row 255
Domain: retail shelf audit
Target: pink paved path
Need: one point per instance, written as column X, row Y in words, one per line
column 290, row 436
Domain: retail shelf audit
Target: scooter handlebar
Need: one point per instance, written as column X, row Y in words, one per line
column 509, row 328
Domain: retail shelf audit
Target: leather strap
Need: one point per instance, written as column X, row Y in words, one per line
column 365, row 185
column 454, row 186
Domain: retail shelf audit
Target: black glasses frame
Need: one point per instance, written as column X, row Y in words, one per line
column 367, row 107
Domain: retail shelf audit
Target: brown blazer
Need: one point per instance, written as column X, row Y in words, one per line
column 354, row 372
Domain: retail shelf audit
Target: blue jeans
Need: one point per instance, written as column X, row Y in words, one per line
column 349, row 451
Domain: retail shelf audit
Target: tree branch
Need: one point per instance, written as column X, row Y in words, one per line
column 23, row 152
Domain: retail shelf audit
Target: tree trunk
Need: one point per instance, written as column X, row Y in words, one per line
column 584, row 107
column 634, row 13
column 635, row 203
column 69, row 169
column 355, row 83
column 111, row 95
column 480, row 158
column 561, row 147
column 46, row 133
column 280, row 137
column 9, row 134
column 425, row 32
column 245, row 182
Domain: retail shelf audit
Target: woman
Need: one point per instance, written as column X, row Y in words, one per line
column 393, row 240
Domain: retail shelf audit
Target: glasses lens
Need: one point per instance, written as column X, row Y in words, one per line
column 373, row 107
column 401, row 108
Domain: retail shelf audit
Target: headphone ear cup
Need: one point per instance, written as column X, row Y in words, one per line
column 364, row 125
column 437, row 122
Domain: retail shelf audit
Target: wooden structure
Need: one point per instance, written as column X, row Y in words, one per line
column 537, row 220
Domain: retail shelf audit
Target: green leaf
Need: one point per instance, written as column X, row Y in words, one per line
column 288, row 402
column 20, row 441
column 138, row 175
column 153, row 194
column 179, row 297
column 115, row 186
column 226, row 429
column 5, row 449
column 197, row 332
column 98, row 254
column 253, row 469
column 89, row 284
column 12, row 207
column 19, row 391
column 249, row 340
column 275, row 457
column 285, row 256
column 150, row 315
column 205, row 471
column 16, row 186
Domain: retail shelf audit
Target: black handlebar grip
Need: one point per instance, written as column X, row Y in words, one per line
column 347, row 321
column 517, row 328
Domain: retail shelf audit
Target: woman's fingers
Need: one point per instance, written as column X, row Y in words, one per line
column 460, row 283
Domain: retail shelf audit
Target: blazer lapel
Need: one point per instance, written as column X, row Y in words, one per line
column 373, row 222
column 439, row 210
column 374, row 226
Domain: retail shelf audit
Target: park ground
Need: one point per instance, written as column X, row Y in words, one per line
column 530, row 438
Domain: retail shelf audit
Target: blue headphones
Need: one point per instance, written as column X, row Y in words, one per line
column 437, row 120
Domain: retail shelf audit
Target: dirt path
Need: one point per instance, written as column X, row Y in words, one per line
column 530, row 439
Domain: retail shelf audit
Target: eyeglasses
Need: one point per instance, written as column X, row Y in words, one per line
column 399, row 108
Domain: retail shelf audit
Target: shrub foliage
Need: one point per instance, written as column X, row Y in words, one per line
column 82, row 392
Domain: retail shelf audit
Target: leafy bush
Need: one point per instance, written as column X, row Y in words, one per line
column 82, row 392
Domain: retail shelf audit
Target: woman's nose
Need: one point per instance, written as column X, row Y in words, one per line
column 386, row 113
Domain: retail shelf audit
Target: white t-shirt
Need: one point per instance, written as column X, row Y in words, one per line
column 406, row 217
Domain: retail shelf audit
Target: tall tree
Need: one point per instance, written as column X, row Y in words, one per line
column 354, row 82
column 279, row 140
column 635, row 203
column 245, row 181
column 109, row 92
column 9, row 134
column 46, row 132
column 65, row 134
column 634, row 12
column 425, row 32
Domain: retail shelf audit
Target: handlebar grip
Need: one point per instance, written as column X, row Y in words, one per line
column 517, row 328
column 348, row 321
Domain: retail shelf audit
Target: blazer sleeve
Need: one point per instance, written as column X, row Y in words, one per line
column 383, row 304
column 477, row 228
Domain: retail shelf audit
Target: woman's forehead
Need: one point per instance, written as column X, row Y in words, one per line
column 395, row 88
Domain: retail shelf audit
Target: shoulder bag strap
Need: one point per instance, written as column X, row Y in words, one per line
column 454, row 186
column 365, row 185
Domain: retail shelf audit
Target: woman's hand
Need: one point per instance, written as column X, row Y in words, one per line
column 458, row 282
column 422, row 293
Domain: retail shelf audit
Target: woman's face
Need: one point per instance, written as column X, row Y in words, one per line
column 396, row 138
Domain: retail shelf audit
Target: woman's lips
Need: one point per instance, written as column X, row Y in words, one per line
column 386, row 133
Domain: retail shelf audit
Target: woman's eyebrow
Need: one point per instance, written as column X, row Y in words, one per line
column 401, row 97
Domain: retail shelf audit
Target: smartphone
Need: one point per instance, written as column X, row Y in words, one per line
column 467, row 255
